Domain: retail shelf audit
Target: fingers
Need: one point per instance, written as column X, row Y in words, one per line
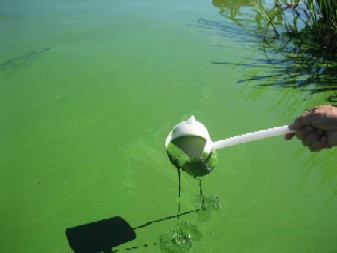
column 314, row 139
column 319, row 145
column 307, row 135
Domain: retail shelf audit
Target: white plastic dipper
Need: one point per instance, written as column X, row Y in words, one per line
column 192, row 138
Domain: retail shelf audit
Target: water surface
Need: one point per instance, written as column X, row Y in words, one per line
column 89, row 92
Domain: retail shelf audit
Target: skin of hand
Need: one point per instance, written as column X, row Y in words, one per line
column 316, row 128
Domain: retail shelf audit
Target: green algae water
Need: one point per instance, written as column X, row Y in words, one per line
column 90, row 90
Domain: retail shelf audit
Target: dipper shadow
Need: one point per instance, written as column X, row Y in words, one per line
column 104, row 235
column 100, row 236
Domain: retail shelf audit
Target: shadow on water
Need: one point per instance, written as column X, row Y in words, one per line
column 100, row 236
column 104, row 235
column 285, row 59
column 11, row 66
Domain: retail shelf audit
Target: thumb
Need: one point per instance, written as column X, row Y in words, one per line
column 289, row 136
column 293, row 126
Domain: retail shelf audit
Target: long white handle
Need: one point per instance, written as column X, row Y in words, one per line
column 258, row 135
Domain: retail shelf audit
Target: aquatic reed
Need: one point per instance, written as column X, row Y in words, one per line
column 314, row 20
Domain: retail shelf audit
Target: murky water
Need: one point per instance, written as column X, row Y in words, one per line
column 89, row 92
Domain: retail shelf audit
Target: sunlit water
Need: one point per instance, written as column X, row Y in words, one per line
column 90, row 90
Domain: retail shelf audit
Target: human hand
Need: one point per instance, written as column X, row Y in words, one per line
column 316, row 128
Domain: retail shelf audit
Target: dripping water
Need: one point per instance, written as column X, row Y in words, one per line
column 179, row 184
column 179, row 190
column 202, row 195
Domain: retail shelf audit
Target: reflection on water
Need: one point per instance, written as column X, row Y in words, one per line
column 230, row 8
